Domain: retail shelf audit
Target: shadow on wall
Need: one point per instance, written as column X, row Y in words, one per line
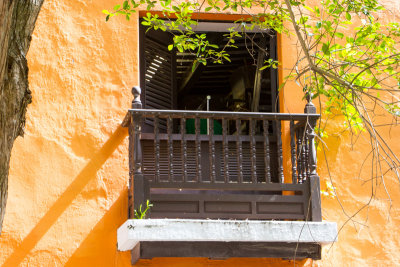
column 64, row 201
column 100, row 246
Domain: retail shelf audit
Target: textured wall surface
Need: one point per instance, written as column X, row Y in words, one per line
column 68, row 176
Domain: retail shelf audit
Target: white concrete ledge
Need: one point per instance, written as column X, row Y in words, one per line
column 134, row 231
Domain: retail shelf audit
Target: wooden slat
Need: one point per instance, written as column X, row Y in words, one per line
column 211, row 151
column 253, row 151
column 225, row 115
column 217, row 138
column 293, row 152
column 267, row 160
column 158, row 74
column 155, row 46
column 307, row 153
column 280, row 157
column 149, row 159
column 157, row 149
column 261, row 198
column 230, row 186
column 159, row 87
column 299, row 156
column 303, row 155
column 159, row 70
column 225, row 250
column 239, row 151
column 159, row 96
column 225, row 149
column 183, row 149
column 198, row 150
column 227, row 206
column 170, row 150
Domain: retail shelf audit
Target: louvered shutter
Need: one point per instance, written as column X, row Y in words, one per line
column 159, row 74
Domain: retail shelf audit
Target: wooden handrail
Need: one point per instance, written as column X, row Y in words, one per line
column 147, row 113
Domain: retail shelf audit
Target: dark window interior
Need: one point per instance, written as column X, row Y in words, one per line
column 168, row 82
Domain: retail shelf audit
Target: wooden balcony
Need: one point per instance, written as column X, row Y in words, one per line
column 222, row 165
column 230, row 169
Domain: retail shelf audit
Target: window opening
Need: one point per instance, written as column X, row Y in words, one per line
column 231, row 86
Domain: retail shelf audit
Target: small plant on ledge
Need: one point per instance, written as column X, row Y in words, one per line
column 141, row 214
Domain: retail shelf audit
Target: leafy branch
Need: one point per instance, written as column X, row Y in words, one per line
column 347, row 57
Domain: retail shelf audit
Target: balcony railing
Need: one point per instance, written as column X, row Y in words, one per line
column 225, row 165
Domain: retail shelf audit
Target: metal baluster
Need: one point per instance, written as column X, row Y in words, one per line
column 253, row 151
column 183, row 149
column 280, row 157
column 211, row 150
column 239, row 151
column 293, row 152
column 198, row 150
column 170, row 150
column 267, row 160
column 157, row 148
column 225, row 149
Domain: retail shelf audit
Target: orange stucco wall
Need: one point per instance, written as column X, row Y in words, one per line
column 68, row 175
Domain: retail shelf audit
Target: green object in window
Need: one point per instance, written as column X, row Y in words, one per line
column 191, row 128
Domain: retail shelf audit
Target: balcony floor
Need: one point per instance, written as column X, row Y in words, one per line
column 223, row 239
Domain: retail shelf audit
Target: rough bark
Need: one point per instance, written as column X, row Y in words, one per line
column 17, row 21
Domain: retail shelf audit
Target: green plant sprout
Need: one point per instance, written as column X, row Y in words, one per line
column 141, row 214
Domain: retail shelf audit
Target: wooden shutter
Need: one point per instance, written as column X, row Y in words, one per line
column 157, row 73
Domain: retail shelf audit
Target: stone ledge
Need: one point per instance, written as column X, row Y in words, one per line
column 133, row 232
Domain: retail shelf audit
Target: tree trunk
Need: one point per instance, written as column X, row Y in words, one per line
column 17, row 21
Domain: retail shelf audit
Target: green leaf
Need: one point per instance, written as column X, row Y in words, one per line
column 339, row 34
column 108, row 17
column 170, row 47
column 195, row 63
column 325, row 49
column 125, row 5
column 309, row 8
column 105, row 12
column 207, row 9
column 348, row 16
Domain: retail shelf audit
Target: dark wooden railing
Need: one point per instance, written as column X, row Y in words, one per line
column 231, row 169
